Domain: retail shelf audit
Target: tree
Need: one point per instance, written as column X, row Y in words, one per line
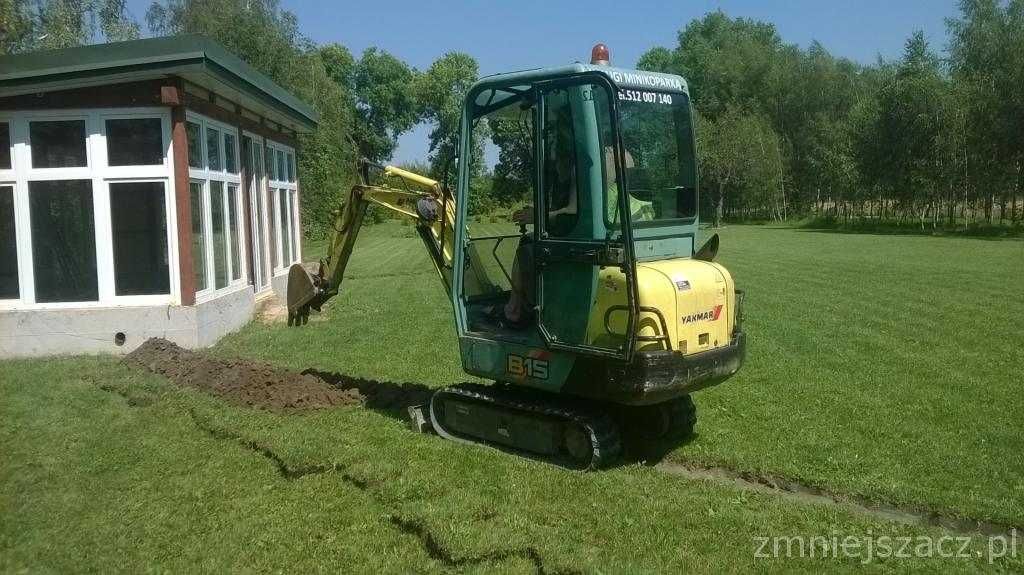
column 62, row 23
column 987, row 60
column 16, row 23
column 513, row 172
column 384, row 104
column 908, row 127
column 440, row 92
column 740, row 160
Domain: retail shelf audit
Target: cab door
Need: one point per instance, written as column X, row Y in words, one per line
column 583, row 242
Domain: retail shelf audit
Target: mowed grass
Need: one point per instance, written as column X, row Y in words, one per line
column 886, row 367
column 881, row 367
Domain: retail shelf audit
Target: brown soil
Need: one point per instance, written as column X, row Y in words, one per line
column 243, row 382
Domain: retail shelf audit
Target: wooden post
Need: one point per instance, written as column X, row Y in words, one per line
column 171, row 95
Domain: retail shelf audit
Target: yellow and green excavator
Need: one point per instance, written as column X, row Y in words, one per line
column 600, row 317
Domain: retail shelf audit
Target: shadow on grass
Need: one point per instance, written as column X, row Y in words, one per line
column 385, row 397
column 651, row 452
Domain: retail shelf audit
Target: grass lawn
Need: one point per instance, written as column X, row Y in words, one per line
column 880, row 367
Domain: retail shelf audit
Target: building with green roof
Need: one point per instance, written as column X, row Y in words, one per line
column 147, row 189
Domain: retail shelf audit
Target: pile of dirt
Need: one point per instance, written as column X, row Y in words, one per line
column 243, row 382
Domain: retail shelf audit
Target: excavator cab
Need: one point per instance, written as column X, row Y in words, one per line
column 594, row 312
column 606, row 163
column 557, row 133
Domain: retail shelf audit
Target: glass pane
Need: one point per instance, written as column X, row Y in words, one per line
column 271, row 164
column 236, row 259
column 294, row 225
column 58, row 144
column 560, row 176
column 138, row 222
column 291, row 167
column 213, row 149
column 8, row 246
column 258, row 233
column 220, row 238
column 195, row 145
column 63, row 240
column 5, row 146
column 229, row 153
column 280, row 166
column 198, row 237
column 135, row 142
column 660, row 162
column 273, row 216
column 286, row 228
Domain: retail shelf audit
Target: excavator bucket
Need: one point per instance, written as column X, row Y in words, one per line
column 302, row 292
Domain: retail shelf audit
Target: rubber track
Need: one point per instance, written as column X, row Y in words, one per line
column 605, row 441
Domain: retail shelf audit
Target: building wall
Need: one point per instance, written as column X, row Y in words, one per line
column 35, row 333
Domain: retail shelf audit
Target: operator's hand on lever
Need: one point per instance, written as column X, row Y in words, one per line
column 523, row 217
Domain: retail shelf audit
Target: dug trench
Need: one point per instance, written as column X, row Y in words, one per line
column 263, row 386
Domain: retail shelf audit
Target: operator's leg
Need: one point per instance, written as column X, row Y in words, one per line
column 520, row 303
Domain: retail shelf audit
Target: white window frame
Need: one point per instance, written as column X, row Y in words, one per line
column 291, row 188
column 100, row 176
column 205, row 176
column 258, row 193
column 8, row 179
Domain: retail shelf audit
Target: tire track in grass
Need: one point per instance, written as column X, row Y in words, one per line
column 808, row 494
column 426, row 538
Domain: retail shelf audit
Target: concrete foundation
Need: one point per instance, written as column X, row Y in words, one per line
column 45, row 332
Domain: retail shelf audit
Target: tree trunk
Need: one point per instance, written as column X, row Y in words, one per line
column 718, row 205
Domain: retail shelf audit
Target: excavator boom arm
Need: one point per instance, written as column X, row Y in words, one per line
column 410, row 195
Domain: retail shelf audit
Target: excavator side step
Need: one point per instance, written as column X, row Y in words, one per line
column 567, row 432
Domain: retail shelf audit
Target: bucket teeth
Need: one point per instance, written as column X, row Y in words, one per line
column 419, row 419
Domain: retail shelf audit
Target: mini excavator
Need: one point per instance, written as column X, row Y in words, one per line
column 620, row 316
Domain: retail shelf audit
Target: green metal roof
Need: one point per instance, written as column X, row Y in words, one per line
column 198, row 59
column 620, row 77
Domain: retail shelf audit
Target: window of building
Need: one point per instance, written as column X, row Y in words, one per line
column 198, row 237
column 234, row 197
column 134, row 142
column 252, row 161
column 286, row 225
column 9, row 284
column 217, row 225
column 194, row 132
column 230, row 163
column 293, row 207
column 220, row 236
column 213, row 144
column 275, row 228
column 138, row 222
column 63, row 241
column 284, row 200
column 5, row 146
column 58, row 144
column 272, row 163
column 84, row 211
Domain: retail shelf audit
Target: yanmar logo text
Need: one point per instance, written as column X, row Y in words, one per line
column 709, row 315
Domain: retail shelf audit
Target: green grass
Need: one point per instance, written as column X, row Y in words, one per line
column 881, row 367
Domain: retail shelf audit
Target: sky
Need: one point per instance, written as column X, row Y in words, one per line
column 508, row 36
